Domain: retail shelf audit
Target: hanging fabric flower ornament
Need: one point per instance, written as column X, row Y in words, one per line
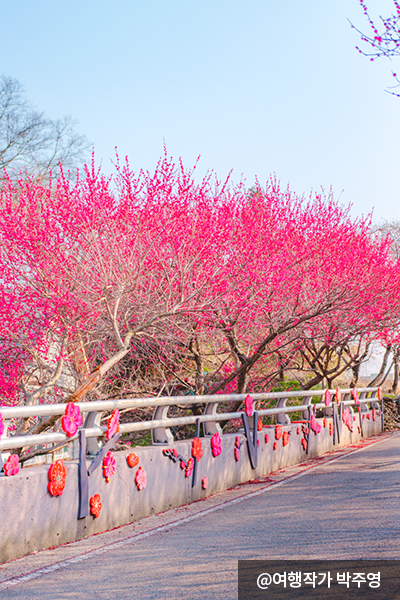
column 354, row 395
column 109, row 466
column 216, row 445
column 71, row 420
column 379, row 394
column 95, row 505
column 11, row 466
column 347, row 418
column 204, row 483
column 327, row 397
column 314, row 425
column 140, row 479
column 57, row 475
column 248, row 405
column 188, row 467
column 1, row 425
column 113, row 424
column 197, row 449
column 132, row 460
column 338, row 395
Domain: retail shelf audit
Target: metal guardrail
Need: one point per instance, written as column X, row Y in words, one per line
column 160, row 425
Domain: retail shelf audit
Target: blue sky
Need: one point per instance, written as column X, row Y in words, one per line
column 258, row 86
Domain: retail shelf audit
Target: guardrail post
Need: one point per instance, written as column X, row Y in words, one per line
column 92, row 445
column 161, row 435
column 336, row 428
column 305, row 413
column 328, row 410
column 373, row 401
column 194, row 477
column 6, row 423
column 281, row 418
column 83, row 509
column 212, row 427
column 363, row 400
column 84, row 472
column 360, row 421
column 308, row 435
column 251, row 443
column 361, row 408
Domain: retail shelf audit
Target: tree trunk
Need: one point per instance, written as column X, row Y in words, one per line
column 396, row 357
column 356, row 372
column 378, row 379
column 315, row 381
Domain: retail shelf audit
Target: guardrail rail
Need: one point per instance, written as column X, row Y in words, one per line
column 160, row 425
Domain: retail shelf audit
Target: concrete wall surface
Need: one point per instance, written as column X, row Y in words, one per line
column 32, row 519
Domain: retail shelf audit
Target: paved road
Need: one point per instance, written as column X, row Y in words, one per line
column 344, row 506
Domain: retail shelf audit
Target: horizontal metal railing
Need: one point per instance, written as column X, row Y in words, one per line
column 160, row 427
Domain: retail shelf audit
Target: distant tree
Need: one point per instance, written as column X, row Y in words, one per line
column 29, row 141
column 384, row 39
column 389, row 338
column 391, row 231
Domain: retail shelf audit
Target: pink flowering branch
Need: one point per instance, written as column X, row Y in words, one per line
column 384, row 39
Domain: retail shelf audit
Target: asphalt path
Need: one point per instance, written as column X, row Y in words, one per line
column 344, row 505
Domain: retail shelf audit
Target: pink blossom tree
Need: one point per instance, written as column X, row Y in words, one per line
column 87, row 274
column 311, row 268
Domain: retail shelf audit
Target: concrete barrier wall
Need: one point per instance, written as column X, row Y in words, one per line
column 32, row 519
